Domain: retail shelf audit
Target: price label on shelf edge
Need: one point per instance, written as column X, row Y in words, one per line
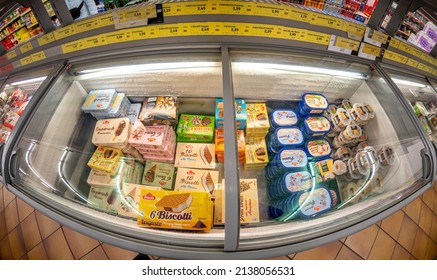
column 26, row 47
column 46, row 39
column 11, row 54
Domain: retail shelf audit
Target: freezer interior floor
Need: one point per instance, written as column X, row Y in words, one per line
column 408, row 234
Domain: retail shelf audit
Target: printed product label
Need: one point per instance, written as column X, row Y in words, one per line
column 285, row 118
column 316, row 101
column 314, row 202
column 293, row 158
column 290, row 136
column 298, row 181
column 318, row 124
column 318, row 148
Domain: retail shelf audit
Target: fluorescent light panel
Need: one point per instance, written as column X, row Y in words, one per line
column 298, row 68
column 408, row 83
column 34, row 80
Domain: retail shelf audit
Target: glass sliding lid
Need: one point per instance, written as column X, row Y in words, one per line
column 327, row 146
column 117, row 139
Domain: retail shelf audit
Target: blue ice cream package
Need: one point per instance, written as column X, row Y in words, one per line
column 286, row 137
column 99, row 101
column 240, row 113
column 133, row 111
column 118, row 108
column 283, row 117
column 318, row 149
column 313, row 104
column 287, row 159
column 290, row 183
column 314, row 126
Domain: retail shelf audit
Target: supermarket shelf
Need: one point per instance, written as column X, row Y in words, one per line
column 16, row 29
column 26, row 12
column 6, row 25
column 32, row 25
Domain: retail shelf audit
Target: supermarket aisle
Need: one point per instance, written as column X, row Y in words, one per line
column 410, row 233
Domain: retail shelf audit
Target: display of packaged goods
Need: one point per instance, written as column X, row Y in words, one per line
column 106, row 199
column 342, row 153
column 286, row 137
column 290, row 183
column 318, row 149
column 351, row 132
column 330, row 112
column 257, row 120
column 360, row 146
column 175, row 210
column 158, row 174
column 129, row 172
column 432, row 121
column 323, row 170
column 196, row 180
column 341, row 119
column 5, row 132
column 283, row 117
column 118, row 108
column 313, row 126
column 249, row 203
column 240, row 113
column 159, row 110
column 133, row 111
column 195, row 155
column 346, row 104
column 99, row 101
column 22, row 107
column 130, row 199
column 424, row 42
column 287, row 159
column 430, row 30
column 111, row 132
column 386, row 156
column 313, row 104
column 11, row 119
column 305, row 204
column 152, row 137
column 220, row 145
column 359, row 114
column 339, row 167
column 195, row 128
column 256, row 153
column 106, row 159
column 369, row 110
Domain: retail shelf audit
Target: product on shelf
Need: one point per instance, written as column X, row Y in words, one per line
column 386, row 156
column 314, row 126
column 283, row 117
column 286, row 137
column 196, row 180
column 323, row 170
column 175, row 210
column 5, row 132
column 111, row 132
column 130, row 199
column 256, row 155
column 158, row 174
column 318, row 149
column 129, row 172
column 106, row 159
column 159, row 110
column 99, row 101
column 106, row 199
column 240, row 113
column 290, row 183
column 287, row 159
column 195, row 128
column 195, row 155
column 118, row 108
column 257, row 123
column 313, row 104
column 220, row 145
column 133, row 111
column 249, row 203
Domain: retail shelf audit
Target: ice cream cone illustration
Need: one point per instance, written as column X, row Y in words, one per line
column 149, row 177
column 119, row 130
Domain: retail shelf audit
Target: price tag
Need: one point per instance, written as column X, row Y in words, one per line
column 104, row 20
column 215, row 28
column 11, row 54
column 394, row 43
column 294, row 33
column 72, row 46
column 38, row 56
column 317, row 37
column 46, row 39
column 265, row 30
column 354, row 28
column 86, row 25
column 26, row 47
column 345, row 43
column 371, row 50
column 235, row 29
column 231, row 7
column 132, row 14
column 434, row 72
column 190, row 8
column 169, row 30
column 425, row 68
column 117, row 37
column 379, row 37
column 300, row 15
column 152, row 32
column 94, row 41
column 395, row 56
column 201, row 28
column 64, row 32
column 139, row 33
column 328, row 21
column 169, row 9
column 413, row 63
column 269, row 10
column 26, row 60
column 416, row 52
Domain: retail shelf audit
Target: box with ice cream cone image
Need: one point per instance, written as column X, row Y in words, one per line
column 197, row 180
column 195, row 155
column 158, row 174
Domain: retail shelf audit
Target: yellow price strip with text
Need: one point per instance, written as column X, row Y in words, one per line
column 345, row 43
column 413, row 63
column 201, row 28
column 231, row 7
column 395, row 43
column 235, row 29
column 270, row 10
column 64, row 32
column 371, row 50
column 138, row 33
column 26, row 60
column 425, row 68
column 328, row 21
column 169, row 30
column 138, row 13
column 117, row 37
column 354, row 28
column 11, row 54
column 379, row 37
column 26, row 47
column 300, row 14
column 265, row 30
column 46, row 39
column 94, row 41
column 395, row 56
column 434, row 72
column 86, row 25
column 291, row 33
column 72, row 46
column 104, row 20
column 38, row 56
column 317, row 37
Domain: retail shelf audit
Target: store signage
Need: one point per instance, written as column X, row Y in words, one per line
column 26, row 47
column 343, row 45
column 413, row 63
column 86, row 25
column 354, row 30
column 328, row 21
column 395, row 57
column 293, row 33
column 46, row 39
column 374, row 37
column 64, row 32
column 231, row 7
column 38, row 56
column 368, row 51
column 317, row 37
column 425, row 68
column 26, row 60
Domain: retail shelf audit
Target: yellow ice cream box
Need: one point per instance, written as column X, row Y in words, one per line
column 106, row 159
column 175, row 210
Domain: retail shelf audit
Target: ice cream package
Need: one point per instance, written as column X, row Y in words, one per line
column 240, row 113
column 158, row 174
column 99, row 101
column 195, row 128
column 159, row 110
